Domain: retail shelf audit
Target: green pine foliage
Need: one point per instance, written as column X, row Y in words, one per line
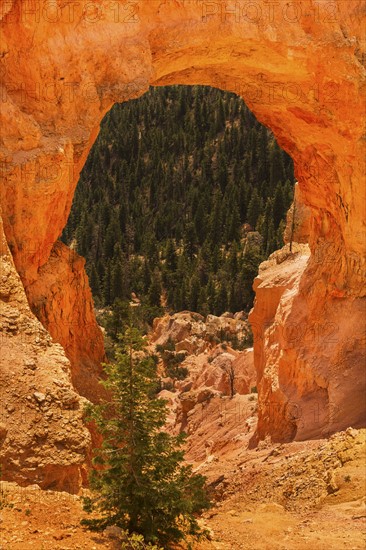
column 140, row 481
column 161, row 202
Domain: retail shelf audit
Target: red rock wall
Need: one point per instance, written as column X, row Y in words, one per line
column 309, row 351
column 298, row 66
column 62, row 301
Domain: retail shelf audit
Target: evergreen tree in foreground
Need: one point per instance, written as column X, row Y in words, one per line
column 141, row 483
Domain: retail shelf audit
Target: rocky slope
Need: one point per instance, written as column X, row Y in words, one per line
column 42, row 435
column 64, row 65
column 213, row 402
column 209, row 349
column 293, row 496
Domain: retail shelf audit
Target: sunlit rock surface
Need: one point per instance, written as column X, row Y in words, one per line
column 300, row 71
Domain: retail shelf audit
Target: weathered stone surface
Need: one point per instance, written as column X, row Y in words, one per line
column 62, row 300
column 308, row 352
column 207, row 354
column 217, row 373
column 42, row 436
column 298, row 220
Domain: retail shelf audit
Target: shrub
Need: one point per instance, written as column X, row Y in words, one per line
column 140, row 482
column 136, row 542
column 4, row 501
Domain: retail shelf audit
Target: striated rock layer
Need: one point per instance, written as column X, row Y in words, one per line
column 309, row 344
column 298, row 66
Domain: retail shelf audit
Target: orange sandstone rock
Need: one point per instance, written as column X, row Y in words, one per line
column 297, row 66
column 62, row 300
column 42, row 436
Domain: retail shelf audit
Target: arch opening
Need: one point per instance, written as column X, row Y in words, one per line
column 161, row 168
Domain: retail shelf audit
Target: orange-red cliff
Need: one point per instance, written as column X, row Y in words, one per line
column 298, row 66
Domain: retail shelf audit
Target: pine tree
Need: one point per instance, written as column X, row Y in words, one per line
column 94, row 281
column 190, row 240
column 211, row 293
column 119, row 319
column 215, row 258
column 221, row 300
column 233, row 230
column 141, row 483
column 232, row 298
column 116, row 280
column 107, row 297
column 215, row 234
column 202, row 305
column 220, row 117
column 254, row 209
column 200, row 221
column 222, row 175
column 170, row 257
column 112, row 237
column 194, row 292
column 262, row 173
column 251, row 261
column 271, row 241
column 279, row 208
column 146, row 277
column 184, row 295
column 233, row 261
column 155, row 290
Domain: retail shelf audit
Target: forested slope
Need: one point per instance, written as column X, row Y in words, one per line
column 169, row 196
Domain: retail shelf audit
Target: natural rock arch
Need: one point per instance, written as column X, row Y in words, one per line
column 298, row 66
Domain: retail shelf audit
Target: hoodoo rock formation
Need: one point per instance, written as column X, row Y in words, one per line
column 298, row 66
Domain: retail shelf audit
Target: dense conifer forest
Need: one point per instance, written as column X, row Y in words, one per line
column 183, row 195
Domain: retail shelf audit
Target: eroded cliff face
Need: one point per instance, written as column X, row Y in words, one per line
column 42, row 436
column 61, row 299
column 309, row 344
column 298, row 66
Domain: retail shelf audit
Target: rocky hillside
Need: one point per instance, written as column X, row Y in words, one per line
column 293, row 496
column 42, row 435
column 208, row 384
column 208, row 349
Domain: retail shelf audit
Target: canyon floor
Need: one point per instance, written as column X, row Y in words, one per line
column 266, row 496
column 296, row 496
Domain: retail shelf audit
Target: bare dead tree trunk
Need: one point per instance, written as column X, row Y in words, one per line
column 232, row 382
column 293, row 224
